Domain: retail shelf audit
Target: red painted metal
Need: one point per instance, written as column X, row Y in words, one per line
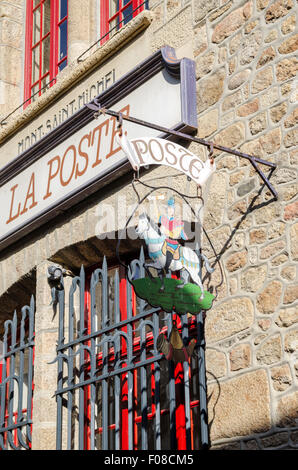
column 106, row 16
column 54, row 61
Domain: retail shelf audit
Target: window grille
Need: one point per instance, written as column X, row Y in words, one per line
column 16, row 381
column 115, row 390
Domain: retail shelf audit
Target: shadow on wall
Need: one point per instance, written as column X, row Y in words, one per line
column 239, row 415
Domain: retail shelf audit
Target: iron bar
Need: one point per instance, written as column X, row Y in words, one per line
column 130, row 361
column 253, row 160
column 117, row 360
column 61, row 299
column 202, row 376
column 157, row 387
column 15, row 420
column 186, row 384
column 106, row 330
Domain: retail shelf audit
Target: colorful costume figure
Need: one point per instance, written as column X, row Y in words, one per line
column 173, row 229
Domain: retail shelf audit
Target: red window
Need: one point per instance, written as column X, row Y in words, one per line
column 118, row 422
column 45, row 45
column 116, row 13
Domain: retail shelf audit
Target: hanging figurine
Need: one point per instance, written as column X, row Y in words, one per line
column 173, row 229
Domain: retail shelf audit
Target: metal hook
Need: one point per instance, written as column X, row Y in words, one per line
column 120, row 123
column 211, row 150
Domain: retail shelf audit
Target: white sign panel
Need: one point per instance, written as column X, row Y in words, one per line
column 74, row 159
column 92, row 151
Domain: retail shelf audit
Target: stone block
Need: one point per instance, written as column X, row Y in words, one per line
column 267, row 56
column 231, row 23
column 275, row 440
column 236, row 261
column 291, row 211
column 205, row 64
column 235, row 43
column 249, row 47
column 271, row 141
column 214, row 208
column 291, row 138
column 287, row 317
column 269, row 298
column 292, row 119
column 238, row 79
column 231, row 136
column 253, row 278
column 231, row 101
column 229, row 318
column 10, row 32
column 257, row 236
column 12, row 58
column 237, row 210
column 246, row 188
column 261, row 4
column 240, row 407
column 202, row 8
column 208, row 123
column 210, row 90
column 286, row 69
column 291, row 341
column 264, row 324
column 277, row 10
column 220, row 11
column 200, row 40
column 44, row 437
column 294, row 241
column 248, row 108
column 263, row 80
column 250, row 26
column 215, row 364
column 289, row 45
column 287, row 410
column 176, row 32
column 258, row 123
column 288, row 26
column 270, row 351
column 272, row 249
column 271, row 36
column 288, row 273
column 277, row 112
column 240, row 357
column 269, row 97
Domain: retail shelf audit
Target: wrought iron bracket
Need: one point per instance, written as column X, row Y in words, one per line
column 95, row 106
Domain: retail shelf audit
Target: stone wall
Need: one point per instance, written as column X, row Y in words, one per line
column 246, row 99
column 11, row 55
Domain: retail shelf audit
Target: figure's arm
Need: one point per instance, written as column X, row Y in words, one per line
column 183, row 234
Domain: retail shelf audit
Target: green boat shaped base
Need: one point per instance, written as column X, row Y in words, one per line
column 184, row 299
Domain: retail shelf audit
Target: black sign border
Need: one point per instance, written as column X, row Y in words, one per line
column 183, row 69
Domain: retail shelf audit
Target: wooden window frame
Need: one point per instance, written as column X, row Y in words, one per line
column 106, row 18
column 54, row 60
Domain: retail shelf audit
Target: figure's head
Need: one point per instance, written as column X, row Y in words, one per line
column 171, row 206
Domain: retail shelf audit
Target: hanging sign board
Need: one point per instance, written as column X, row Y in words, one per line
column 82, row 155
column 145, row 151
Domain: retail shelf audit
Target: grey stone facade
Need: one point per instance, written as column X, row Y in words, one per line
column 246, row 64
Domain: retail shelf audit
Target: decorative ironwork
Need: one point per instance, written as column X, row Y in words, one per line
column 115, row 390
column 16, row 381
column 96, row 106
